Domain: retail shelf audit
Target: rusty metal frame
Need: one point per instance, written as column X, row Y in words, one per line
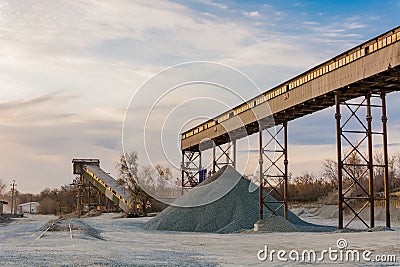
column 78, row 183
column 84, row 193
column 366, row 198
column 274, row 177
column 219, row 151
column 190, row 168
column 191, row 164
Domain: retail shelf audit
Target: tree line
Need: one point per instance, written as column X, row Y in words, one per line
column 307, row 187
column 310, row 187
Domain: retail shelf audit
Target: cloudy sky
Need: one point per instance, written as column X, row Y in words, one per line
column 68, row 70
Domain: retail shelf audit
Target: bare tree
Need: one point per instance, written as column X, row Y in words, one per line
column 49, row 202
column 164, row 176
column 379, row 170
column 2, row 187
column 129, row 177
column 127, row 167
column 330, row 171
column 309, row 187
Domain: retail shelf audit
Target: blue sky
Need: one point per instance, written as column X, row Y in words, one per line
column 69, row 68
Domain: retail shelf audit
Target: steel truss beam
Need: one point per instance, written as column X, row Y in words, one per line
column 191, row 164
column 224, row 155
column 356, row 167
column 273, row 169
column 190, row 167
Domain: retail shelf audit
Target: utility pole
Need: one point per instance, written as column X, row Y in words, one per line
column 30, row 205
column 12, row 196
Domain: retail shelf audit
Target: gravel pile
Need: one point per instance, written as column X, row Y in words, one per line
column 235, row 211
column 327, row 211
column 79, row 225
column 86, row 229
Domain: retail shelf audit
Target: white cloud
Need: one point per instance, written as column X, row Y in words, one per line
column 310, row 23
column 252, row 14
column 213, row 4
column 355, row 25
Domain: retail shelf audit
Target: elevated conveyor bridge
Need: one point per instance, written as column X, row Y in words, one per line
column 370, row 70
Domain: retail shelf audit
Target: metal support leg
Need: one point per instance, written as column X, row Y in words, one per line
column 234, row 154
column 386, row 160
column 183, row 173
column 370, row 162
column 286, row 163
column 88, row 196
column 200, row 162
column 213, row 159
column 338, row 117
column 260, row 162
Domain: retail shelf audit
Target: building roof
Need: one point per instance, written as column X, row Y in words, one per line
column 29, row 203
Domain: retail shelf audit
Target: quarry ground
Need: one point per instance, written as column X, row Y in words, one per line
column 125, row 243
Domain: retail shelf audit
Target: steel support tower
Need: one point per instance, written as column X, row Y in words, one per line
column 356, row 165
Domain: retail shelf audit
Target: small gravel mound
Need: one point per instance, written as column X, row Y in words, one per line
column 275, row 224
column 91, row 213
column 379, row 229
column 87, row 229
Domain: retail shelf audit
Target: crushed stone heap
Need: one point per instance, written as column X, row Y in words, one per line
column 235, row 211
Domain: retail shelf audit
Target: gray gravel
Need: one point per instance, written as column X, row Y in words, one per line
column 275, row 224
column 235, row 211
column 3, row 220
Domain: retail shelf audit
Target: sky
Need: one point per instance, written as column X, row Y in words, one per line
column 69, row 71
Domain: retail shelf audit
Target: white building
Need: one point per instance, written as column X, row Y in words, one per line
column 29, row 207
